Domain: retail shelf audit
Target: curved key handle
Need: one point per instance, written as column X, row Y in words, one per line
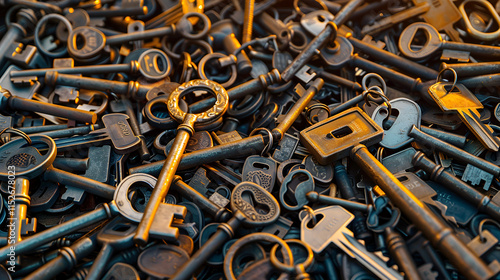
column 26, row 160
column 212, row 114
column 434, row 41
column 258, row 205
column 485, row 36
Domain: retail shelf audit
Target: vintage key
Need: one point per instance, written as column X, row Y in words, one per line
column 67, row 257
column 435, row 42
column 338, row 136
column 117, row 235
column 153, row 64
column 15, row 154
column 434, row 229
column 105, row 211
column 9, row 102
column 456, row 97
column 185, row 130
column 329, row 33
column 332, row 228
column 456, row 153
column 251, row 205
column 483, row 202
column 260, row 170
column 394, row 19
column 395, row 242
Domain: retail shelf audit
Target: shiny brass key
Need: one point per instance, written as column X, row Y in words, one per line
column 459, row 99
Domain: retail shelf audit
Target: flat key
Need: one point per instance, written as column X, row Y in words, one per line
column 466, row 105
column 184, row 132
column 332, row 228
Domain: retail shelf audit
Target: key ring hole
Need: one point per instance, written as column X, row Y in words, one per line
column 455, row 78
column 43, row 24
column 292, row 268
column 208, row 116
column 480, row 228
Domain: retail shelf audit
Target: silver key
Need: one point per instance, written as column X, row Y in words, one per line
column 332, row 228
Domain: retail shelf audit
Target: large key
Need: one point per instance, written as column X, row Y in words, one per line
column 332, row 228
column 337, row 136
column 252, row 205
column 184, row 132
column 456, row 97
column 435, row 42
column 9, row 102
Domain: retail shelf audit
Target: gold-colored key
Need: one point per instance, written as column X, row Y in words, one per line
column 458, row 98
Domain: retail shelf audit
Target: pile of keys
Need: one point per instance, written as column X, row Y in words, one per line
column 243, row 139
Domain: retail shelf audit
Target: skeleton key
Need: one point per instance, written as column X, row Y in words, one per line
column 395, row 242
column 185, row 130
column 442, row 15
column 117, row 235
column 435, row 42
column 260, row 210
column 332, row 228
column 466, row 105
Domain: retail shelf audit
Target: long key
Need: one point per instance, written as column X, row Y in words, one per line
column 440, row 175
column 434, row 229
column 10, row 102
column 392, row 20
column 68, row 257
column 435, row 42
column 459, row 99
column 332, row 228
column 262, row 209
column 117, row 235
column 184, row 132
column 105, row 211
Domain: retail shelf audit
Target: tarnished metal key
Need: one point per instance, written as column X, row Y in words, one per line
column 184, row 132
column 332, row 228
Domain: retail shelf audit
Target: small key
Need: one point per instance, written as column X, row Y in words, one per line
column 462, row 101
column 184, row 132
column 117, row 235
column 332, row 228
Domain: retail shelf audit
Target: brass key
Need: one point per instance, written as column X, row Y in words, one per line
column 458, row 98
column 184, row 132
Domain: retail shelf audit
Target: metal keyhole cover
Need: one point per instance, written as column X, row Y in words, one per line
column 25, row 160
column 260, row 196
column 210, row 115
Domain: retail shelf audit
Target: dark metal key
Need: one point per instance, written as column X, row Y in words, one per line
column 252, row 205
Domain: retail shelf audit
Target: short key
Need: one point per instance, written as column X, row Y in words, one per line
column 332, row 229
column 117, row 235
column 263, row 209
column 459, row 99
column 184, row 132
